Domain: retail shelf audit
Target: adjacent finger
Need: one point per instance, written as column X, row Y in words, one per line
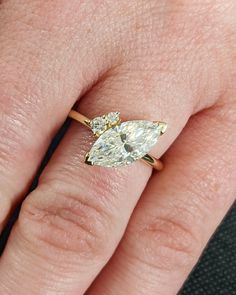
column 178, row 211
column 41, row 77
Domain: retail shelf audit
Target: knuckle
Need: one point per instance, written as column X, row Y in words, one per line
column 105, row 184
column 67, row 223
column 167, row 243
column 210, row 190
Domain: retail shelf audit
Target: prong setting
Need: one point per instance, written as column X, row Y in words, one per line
column 113, row 119
column 101, row 124
column 121, row 143
column 87, row 123
column 86, row 160
column 124, row 143
column 162, row 125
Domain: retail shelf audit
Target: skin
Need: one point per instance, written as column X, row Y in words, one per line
column 92, row 230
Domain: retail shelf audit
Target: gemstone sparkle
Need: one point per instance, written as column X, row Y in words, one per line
column 124, row 143
column 113, row 118
column 100, row 124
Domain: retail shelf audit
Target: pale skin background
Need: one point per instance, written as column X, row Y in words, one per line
column 114, row 231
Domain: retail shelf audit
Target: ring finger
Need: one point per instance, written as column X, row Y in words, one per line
column 71, row 224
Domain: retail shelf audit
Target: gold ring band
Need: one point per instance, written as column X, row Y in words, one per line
column 100, row 125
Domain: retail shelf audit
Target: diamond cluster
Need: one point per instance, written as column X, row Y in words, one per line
column 100, row 124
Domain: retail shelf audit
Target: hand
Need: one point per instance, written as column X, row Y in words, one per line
column 169, row 60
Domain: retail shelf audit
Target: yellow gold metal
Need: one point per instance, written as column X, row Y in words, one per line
column 86, row 161
column 112, row 125
column 155, row 163
column 163, row 125
column 79, row 117
column 98, row 134
column 148, row 159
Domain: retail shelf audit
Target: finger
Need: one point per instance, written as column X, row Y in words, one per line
column 35, row 93
column 73, row 221
column 178, row 211
column 71, row 224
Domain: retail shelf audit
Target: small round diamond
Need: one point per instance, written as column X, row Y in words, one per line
column 98, row 125
column 113, row 118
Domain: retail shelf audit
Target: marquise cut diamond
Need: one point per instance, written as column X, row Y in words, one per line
column 125, row 143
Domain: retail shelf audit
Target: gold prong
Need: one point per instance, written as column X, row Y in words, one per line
column 114, row 124
column 163, row 126
column 87, row 123
column 86, row 161
column 155, row 163
column 97, row 134
column 118, row 122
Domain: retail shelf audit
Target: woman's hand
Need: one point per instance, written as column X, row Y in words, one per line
column 169, row 60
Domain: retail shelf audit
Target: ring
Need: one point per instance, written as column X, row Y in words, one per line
column 121, row 143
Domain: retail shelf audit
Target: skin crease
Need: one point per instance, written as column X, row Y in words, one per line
column 91, row 230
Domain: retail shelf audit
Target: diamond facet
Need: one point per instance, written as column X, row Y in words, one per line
column 125, row 143
column 98, row 125
column 113, row 118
